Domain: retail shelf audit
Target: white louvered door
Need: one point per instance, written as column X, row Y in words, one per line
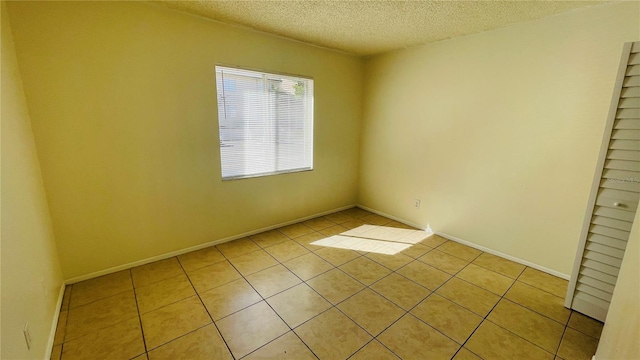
column 614, row 197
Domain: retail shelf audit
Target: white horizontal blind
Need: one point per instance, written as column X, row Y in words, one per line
column 265, row 122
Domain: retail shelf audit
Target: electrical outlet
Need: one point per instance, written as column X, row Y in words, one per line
column 27, row 335
column 416, row 203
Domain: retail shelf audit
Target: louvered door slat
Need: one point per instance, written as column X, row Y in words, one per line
column 628, row 114
column 633, row 70
column 624, row 155
column 604, row 268
column 605, row 259
column 614, row 213
column 626, row 134
column 596, row 283
column 630, row 103
column 625, row 145
column 619, row 194
column 604, row 249
column 612, row 223
column 610, row 232
column 631, row 91
column 598, row 275
column 634, row 59
column 607, row 240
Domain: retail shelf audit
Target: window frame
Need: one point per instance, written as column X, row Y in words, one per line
column 309, row 131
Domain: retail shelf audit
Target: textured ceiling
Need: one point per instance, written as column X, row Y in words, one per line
column 372, row 27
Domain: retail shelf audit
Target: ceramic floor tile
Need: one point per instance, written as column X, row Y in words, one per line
column 400, row 225
column 585, row 324
column 351, row 224
column 336, row 256
column 200, row 258
column 339, row 217
column 464, row 354
column 141, row 357
column 308, row 266
column 163, row 293
column 101, row 287
column 500, row 265
column 539, row 301
column 61, row 328
column 251, row 328
column 400, row 290
column 335, row 285
column 530, row 325
column 66, row 298
column 365, row 270
column 229, row 298
column 371, row 311
column 416, row 250
column 469, row 296
column 253, row 262
column 425, row 275
column 393, row 262
column 212, row 276
column 172, row 321
column 296, row 230
column 319, row 223
column 201, row 344
column 269, row 238
column 237, row 247
column 333, row 230
column 356, row 212
column 332, row 335
column 374, row 351
column 410, row 338
column 156, row 271
column 375, row 219
column 443, row 261
column 308, row 240
column 544, row 281
column 298, row 304
column 486, row 279
column 460, row 251
column 56, row 352
column 120, row 341
column 491, row 341
column 287, row 346
column 273, row 280
column 576, row 345
column 447, row 317
column 286, row 250
column 100, row 314
column 434, row 241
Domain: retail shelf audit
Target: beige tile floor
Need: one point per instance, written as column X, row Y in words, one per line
column 275, row 295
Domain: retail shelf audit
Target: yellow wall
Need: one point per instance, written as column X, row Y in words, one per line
column 497, row 133
column 621, row 331
column 123, row 104
column 31, row 275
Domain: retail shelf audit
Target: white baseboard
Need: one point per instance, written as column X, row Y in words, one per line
column 54, row 325
column 506, row 256
column 197, row 247
column 473, row 245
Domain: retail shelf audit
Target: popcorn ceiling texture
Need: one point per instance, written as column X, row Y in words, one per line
column 374, row 27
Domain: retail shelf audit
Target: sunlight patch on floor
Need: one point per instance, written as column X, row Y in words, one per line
column 376, row 239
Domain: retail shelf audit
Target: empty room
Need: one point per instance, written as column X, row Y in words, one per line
column 320, row 180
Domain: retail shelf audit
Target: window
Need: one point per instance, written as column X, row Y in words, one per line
column 265, row 121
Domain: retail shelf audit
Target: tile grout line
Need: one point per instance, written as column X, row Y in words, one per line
column 135, row 299
column 205, row 309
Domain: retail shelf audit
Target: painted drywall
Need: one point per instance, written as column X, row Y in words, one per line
column 123, row 105
column 621, row 331
column 31, row 274
column 496, row 133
